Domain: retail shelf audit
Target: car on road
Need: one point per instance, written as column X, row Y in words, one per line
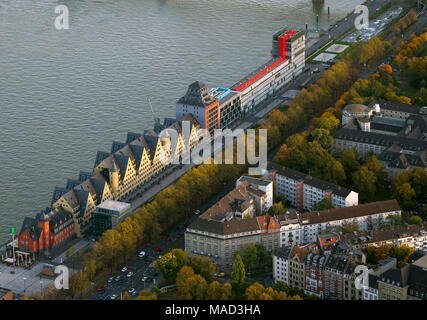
column 131, row 290
column 113, row 297
column 117, row 278
column 157, row 248
column 130, row 274
column 124, row 269
column 142, row 254
column 219, row 274
column 110, row 279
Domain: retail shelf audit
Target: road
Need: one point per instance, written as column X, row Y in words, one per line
column 343, row 26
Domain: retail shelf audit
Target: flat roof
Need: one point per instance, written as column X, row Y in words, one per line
column 114, row 205
column 256, row 72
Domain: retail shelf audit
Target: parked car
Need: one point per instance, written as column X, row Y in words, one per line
column 113, row 297
column 131, row 290
column 101, row 288
column 117, row 278
column 168, row 238
column 142, row 254
column 197, row 212
column 130, row 274
column 124, row 269
column 110, row 279
column 157, row 248
column 102, row 296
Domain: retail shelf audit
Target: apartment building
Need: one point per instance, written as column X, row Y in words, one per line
column 221, row 240
column 304, row 191
column 366, row 216
column 261, row 190
column 371, row 291
column 303, row 228
column 288, row 61
column 414, row 236
column 235, row 221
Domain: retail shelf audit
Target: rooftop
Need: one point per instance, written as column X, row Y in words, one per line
column 114, row 205
column 309, row 180
column 349, row 212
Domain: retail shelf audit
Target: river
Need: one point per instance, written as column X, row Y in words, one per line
column 65, row 94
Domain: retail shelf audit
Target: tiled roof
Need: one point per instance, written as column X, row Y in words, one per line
column 384, row 234
column 349, row 212
column 225, row 228
column 237, row 199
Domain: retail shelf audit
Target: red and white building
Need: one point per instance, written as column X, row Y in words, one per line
column 46, row 231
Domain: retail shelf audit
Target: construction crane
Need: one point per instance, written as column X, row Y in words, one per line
column 156, row 120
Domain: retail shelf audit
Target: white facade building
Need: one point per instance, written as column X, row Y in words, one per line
column 304, row 191
column 261, row 190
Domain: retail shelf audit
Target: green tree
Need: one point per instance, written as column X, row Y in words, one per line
column 349, row 162
column 238, row 274
column 323, row 204
column 374, row 166
column 277, row 209
column 415, row 220
column 323, row 137
column 395, row 219
column 405, row 195
column 249, row 256
column 364, row 182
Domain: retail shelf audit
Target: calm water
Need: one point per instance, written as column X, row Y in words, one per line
column 66, row 94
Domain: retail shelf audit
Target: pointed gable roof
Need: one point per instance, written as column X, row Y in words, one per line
column 122, row 162
column 100, row 156
column 137, row 151
column 98, row 185
column 58, row 192
column 116, row 146
column 152, row 144
column 82, row 197
column 132, row 136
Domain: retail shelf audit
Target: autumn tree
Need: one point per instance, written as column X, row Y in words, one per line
column 170, row 263
column 79, row 282
column 190, row 285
